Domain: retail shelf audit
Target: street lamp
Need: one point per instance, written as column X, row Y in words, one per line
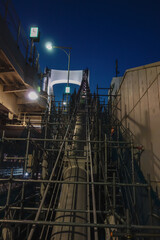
column 32, row 95
column 67, row 51
column 49, row 46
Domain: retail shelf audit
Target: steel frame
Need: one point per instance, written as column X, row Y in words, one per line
column 97, row 144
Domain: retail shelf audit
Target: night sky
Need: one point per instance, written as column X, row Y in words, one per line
column 99, row 32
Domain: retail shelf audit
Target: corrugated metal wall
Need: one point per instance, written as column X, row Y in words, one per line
column 139, row 102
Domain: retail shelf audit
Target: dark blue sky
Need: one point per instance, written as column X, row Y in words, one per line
column 99, row 32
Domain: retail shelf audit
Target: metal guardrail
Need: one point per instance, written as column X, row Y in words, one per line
column 7, row 172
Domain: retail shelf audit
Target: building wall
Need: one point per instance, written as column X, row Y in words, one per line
column 139, row 102
column 115, row 83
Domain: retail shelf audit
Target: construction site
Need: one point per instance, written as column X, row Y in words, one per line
column 86, row 170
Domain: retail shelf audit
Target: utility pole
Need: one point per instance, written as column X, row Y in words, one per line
column 117, row 72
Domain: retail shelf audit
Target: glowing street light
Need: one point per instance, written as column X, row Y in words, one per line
column 32, row 95
column 49, row 46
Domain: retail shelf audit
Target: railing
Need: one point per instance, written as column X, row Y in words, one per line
column 7, row 172
column 28, row 50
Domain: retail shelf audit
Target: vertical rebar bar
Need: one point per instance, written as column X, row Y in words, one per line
column 88, row 193
column 99, row 166
column 93, row 191
column 1, row 146
column 24, row 172
column 106, row 160
column 128, row 224
column 45, row 155
column 27, row 150
column 106, row 171
column 150, row 198
column 133, row 173
column 9, row 188
column 114, row 192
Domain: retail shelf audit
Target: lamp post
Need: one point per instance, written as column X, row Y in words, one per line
column 67, row 51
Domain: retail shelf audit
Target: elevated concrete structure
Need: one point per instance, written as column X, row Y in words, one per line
column 19, row 69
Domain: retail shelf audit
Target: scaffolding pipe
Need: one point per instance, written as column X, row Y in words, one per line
column 48, row 185
column 92, row 225
column 75, row 182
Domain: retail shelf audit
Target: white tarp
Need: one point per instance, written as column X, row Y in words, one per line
column 61, row 76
